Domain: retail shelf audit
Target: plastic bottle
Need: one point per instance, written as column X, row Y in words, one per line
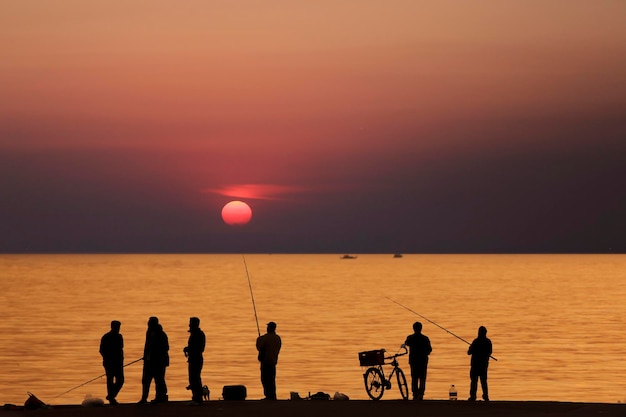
column 452, row 393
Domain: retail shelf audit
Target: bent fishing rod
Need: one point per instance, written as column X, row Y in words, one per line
column 430, row 321
column 93, row 379
column 258, row 329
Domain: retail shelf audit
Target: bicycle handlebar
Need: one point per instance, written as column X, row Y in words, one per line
column 403, row 347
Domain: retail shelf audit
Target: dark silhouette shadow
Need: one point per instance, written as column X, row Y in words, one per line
column 269, row 346
column 481, row 350
column 156, row 359
column 419, row 349
column 193, row 352
column 112, row 351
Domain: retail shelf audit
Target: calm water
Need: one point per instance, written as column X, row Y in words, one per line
column 556, row 322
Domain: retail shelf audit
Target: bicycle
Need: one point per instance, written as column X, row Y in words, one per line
column 374, row 378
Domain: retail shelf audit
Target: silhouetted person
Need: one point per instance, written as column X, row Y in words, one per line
column 269, row 346
column 155, row 360
column 193, row 352
column 112, row 351
column 480, row 349
column 419, row 349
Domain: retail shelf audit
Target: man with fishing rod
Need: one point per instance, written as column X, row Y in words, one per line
column 112, row 351
column 480, row 349
column 269, row 346
column 193, row 353
column 419, row 349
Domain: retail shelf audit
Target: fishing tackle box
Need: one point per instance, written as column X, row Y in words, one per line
column 234, row 392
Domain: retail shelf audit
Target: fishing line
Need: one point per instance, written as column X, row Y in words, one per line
column 430, row 321
column 93, row 379
column 252, row 296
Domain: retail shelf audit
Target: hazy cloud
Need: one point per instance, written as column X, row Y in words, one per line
column 256, row 191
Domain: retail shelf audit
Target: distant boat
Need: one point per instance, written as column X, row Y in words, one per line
column 346, row 256
column 397, row 255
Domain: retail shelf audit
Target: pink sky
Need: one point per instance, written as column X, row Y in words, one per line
column 387, row 120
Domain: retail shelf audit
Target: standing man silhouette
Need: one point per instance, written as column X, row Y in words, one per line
column 481, row 350
column 419, row 349
column 112, row 351
column 193, row 352
column 269, row 346
column 155, row 361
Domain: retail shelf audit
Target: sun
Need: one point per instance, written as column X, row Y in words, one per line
column 236, row 213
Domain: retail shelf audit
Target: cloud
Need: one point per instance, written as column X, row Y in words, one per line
column 256, row 191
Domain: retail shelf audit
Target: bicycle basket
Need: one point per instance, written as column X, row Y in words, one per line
column 372, row 357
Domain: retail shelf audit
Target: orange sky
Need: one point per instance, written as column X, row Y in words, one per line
column 350, row 110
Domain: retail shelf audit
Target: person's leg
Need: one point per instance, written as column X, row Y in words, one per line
column 264, row 380
column 268, row 379
column 473, row 385
column 484, row 386
column 190, row 376
column 414, row 381
column 195, row 381
column 119, row 381
column 159, row 384
column 272, row 382
column 422, row 388
column 146, row 380
column 110, row 383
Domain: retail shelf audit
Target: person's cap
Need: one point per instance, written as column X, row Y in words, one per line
column 153, row 321
column 194, row 321
column 116, row 324
column 271, row 325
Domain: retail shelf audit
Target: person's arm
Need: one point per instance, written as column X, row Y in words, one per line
column 202, row 342
column 102, row 348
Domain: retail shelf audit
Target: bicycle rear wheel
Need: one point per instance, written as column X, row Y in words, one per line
column 404, row 389
column 374, row 383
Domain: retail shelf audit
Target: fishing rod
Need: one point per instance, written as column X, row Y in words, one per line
column 258, row 329
column 93, row 379
column 430, row 321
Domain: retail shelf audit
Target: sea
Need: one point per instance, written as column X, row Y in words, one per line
column 557, row 322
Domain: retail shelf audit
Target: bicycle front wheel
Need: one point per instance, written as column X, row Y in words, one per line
column 404, row 389
column 374, row 383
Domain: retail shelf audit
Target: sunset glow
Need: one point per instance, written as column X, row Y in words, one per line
column 353, row 126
